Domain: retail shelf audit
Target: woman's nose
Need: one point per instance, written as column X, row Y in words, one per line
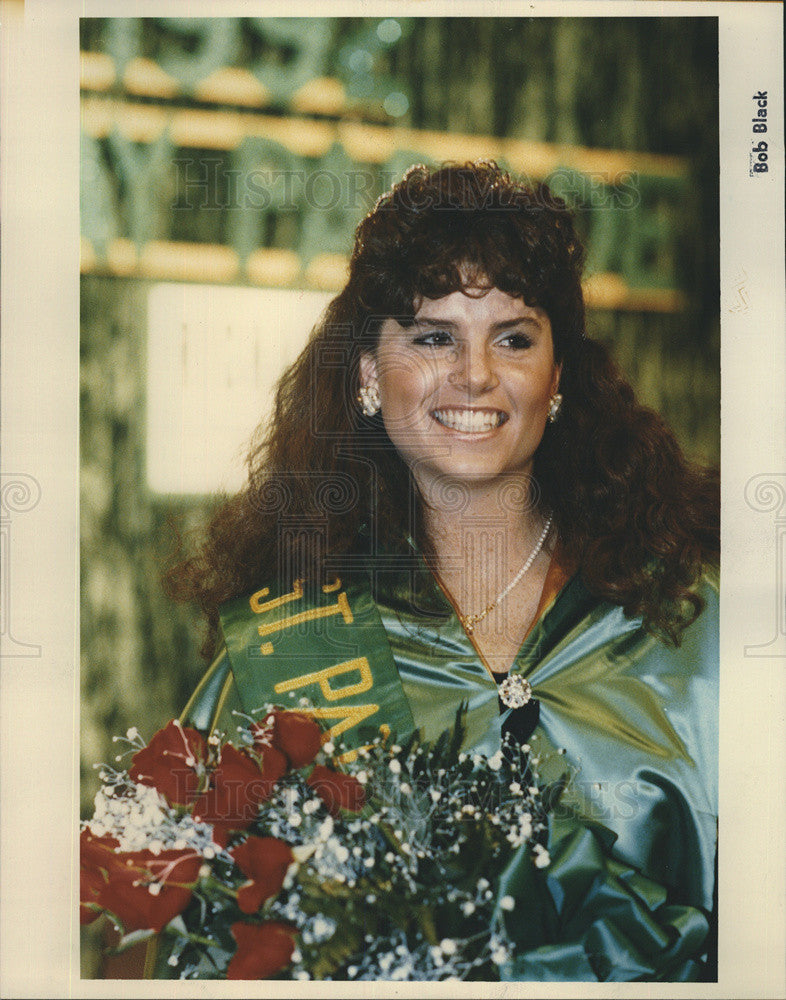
column 472, row 370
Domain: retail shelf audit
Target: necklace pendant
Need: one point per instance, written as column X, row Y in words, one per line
column 515, row 691
column 468, row 622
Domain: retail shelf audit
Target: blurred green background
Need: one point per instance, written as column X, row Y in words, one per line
column 190, row 130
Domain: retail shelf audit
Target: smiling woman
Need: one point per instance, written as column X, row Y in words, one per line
column 475, row 372
column 459, row 490
column 465, row 391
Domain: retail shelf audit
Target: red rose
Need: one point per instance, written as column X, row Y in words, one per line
column 272, row 762
column 172, row 762
column 337, row 790
column 237, row 787
column 294, row 734
column 262, row 950
column 145, row 891
column 97, row 858
column 265, row 860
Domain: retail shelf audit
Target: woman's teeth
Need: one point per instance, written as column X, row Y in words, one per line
column 469, row 421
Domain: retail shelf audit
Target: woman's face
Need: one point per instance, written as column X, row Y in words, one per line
column 465, row 390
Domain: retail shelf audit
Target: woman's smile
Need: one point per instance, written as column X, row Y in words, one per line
column 469, row 421
column 465, row 387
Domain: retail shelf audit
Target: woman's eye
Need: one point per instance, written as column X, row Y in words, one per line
column 433, row 338
column 517, row 341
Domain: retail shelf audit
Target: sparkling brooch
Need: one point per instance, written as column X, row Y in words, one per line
column 515, row 691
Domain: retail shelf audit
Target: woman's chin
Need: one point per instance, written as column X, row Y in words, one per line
column 471, row 475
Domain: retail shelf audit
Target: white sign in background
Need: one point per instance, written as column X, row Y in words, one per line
column 214, row 356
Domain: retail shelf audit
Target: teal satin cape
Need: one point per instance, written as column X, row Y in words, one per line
column 629, row 893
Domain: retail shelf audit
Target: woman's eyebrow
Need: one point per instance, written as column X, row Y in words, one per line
column 505, row 324
column 502, row 324
column 435, row 321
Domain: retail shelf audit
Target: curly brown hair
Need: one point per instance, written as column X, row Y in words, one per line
column 324, row 481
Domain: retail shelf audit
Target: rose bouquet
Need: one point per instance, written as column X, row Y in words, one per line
column 264, row 859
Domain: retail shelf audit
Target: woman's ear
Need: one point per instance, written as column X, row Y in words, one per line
column 556, row 378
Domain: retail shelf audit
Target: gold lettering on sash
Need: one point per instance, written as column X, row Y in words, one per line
column 330, row 588
column 322, row 677
column 294, row 595
column 350, row 716
column 340, row 607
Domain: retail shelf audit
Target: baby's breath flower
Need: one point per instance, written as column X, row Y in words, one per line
column 507, row 903
column 542, row 858
column 341, row 853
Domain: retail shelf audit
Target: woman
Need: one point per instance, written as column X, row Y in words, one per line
column 459, row 501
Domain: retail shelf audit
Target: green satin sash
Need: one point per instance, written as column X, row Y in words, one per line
column 327, row 647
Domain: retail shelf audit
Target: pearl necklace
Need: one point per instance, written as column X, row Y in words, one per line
column 470, row 621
